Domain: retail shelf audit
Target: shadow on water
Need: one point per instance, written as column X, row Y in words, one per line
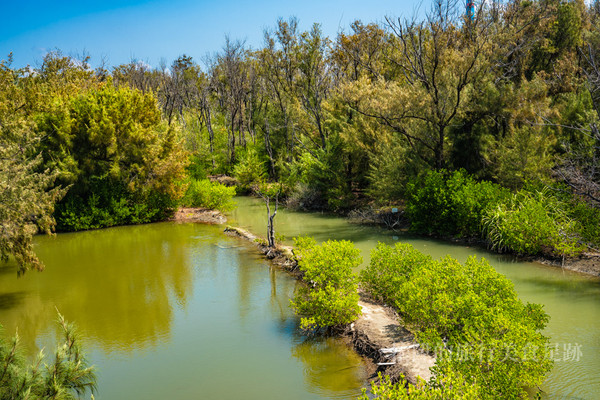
column 572, row 288
column 11, row 300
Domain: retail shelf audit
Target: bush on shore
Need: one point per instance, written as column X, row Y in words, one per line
column 468, row 314
column 532, row 223
column 328, row 299
column 529, row 222
column 207, row 194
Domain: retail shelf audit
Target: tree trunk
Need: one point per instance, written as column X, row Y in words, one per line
column 270, row 221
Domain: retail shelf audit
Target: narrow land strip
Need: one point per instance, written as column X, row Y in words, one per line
column 376, row 334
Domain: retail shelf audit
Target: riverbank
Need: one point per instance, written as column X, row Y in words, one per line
column 200, row 215
column 586, row 263
column 377, row 334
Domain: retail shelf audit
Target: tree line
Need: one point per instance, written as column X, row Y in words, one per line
column 509, row 96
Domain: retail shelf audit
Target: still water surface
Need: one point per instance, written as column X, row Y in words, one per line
column 182, row 311
column 572, row 300
column 176, row 311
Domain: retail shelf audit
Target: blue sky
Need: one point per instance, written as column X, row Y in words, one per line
column 150, row 30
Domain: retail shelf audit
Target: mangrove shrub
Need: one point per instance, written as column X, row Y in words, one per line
column 451, row 386
column 389, row 270
column 328, row 299
column 469, row 315
column 450, row 203
column 207, row 194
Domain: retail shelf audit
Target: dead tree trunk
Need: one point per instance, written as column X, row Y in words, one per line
column 269, row 192
column 270, row 221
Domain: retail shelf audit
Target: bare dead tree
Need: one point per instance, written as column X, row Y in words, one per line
column 359, row 53
column 230, row 75
column 269, row 192
column 580, row 169
column 138, row 75
column 279, row 64
column 314, row 80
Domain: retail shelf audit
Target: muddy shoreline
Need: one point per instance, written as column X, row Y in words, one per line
column 377, row 335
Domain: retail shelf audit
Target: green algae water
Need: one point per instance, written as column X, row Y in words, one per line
column 176, row 311
column 182, row 311
column 572, row 300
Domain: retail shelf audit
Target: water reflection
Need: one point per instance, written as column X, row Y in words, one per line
column 119, row 284
column 173, row 311
column 330, row 366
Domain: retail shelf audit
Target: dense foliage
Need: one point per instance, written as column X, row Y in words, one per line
column 532, row 223
column 389, row 269
column 329, row 299
column 450, row 204
column 121, row 163
column 66, row 376
column 468, row 314
column 451, row 386
column 207, row 194
column 27, row 196
column 510, row 96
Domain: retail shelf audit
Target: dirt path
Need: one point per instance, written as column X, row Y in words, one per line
column 379, row 333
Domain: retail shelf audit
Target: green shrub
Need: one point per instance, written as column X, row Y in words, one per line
column 450, row 204
column 207, row 194
column 110, row 204
column 198, row 167
column 532, row 223
column 250, row 170
column 450, row 386
column 329, row 298
column 470, row 200
column 470, row 316
column 588, row 221
column 122, row 164
column 317, row 178
column 389, row 270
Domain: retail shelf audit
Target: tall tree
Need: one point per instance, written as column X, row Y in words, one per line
column 26, row 197
column 439, row 67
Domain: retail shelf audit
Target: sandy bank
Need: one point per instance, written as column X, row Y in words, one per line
column 202, row 215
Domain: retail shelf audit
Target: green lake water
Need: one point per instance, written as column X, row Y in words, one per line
column 176, row 311
column 181, row 311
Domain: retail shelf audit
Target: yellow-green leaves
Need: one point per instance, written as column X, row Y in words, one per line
column 469, row 316
column 329, row 298
column 26, row 198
